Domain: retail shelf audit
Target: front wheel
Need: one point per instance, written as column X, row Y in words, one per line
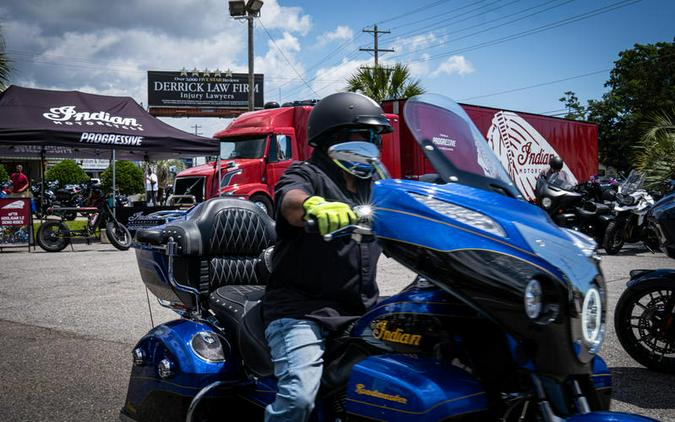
column 53, row 236
column 613, row 239
column 118, row 235
column 645, row 324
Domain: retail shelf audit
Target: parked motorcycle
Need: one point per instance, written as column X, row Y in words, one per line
column 629, row 226
column 644, row 318
column 69, row 196
column 41, row 204
column 503, row 322
column 54, row 235
column 580, row 207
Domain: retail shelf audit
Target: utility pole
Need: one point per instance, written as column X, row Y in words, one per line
column 196, row 128
column 375, row 48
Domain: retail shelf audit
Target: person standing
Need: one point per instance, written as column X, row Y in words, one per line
column 317, row 287
column 20, row 183
column 151, row 187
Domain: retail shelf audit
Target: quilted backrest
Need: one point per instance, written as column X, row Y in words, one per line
column 240, row 230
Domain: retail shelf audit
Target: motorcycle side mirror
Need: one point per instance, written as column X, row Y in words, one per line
column 357, row 154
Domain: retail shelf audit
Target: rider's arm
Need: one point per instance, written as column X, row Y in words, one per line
column 291, row 207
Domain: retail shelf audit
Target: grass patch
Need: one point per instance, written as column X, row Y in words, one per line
column 72, row 225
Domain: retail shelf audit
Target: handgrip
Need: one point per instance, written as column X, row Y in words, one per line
column 150, row 236
column 311, row 226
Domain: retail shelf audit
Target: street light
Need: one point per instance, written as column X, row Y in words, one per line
column 240, row 9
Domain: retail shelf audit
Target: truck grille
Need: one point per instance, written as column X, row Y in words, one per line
column 190, row 186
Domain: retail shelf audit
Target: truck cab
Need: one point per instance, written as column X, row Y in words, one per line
column 255, row 150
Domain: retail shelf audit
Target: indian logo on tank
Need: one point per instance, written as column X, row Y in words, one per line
column 523, row 151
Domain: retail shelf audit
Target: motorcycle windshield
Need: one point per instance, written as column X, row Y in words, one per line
column 454, row 146
column 633, row 182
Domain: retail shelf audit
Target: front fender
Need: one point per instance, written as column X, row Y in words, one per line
column 642, row 277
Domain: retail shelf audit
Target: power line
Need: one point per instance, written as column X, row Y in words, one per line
column 413, row 11
column 285, row 58
column 508, row 91
column 483, row 30
column 375, row 48
column 532, row 31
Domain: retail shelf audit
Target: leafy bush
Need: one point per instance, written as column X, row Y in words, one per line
column 129, row 178
column 65, row 172
column 3, row 174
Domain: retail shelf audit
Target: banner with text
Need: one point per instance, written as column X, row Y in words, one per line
column 202, row 90
column 14, row 222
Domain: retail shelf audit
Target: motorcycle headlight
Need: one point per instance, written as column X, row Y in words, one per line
column 592, row 326
column 463, row 215
column 546, row 202
column 532, row 299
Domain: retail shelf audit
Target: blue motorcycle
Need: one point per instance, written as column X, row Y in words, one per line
column 503, row 322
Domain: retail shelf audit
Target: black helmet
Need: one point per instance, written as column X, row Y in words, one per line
column 556, row 163
column 344, row 110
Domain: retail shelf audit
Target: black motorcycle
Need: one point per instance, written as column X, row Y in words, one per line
column 644, row 318
column 576, row 207
column 70, row 196
column 54, row 236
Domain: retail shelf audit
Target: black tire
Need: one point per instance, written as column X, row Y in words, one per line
column 264, row 203
column 118, row 235
column 53, row 236
column 613, row 239
column 644, row 325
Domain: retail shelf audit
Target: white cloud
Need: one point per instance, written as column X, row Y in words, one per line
column 341, row 33
column 289, row 19
column 458, row 65
column 333, row 79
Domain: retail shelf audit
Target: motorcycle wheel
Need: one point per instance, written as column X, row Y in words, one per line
column 645, row 325
column 118, row 235
column 53, row 236
column 613, row 239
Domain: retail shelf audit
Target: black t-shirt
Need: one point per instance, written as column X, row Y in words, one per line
column 330, row 282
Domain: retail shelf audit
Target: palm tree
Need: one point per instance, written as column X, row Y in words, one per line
column 4, row 64
column 656, row 152
column 384, row 83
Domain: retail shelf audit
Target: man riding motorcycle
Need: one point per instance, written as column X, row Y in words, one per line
column 315, row 286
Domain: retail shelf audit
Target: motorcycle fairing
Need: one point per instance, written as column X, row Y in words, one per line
column 411, row 388
column 488, row 271
column 609, row 417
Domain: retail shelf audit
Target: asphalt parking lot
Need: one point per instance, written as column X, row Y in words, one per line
column 69, row 320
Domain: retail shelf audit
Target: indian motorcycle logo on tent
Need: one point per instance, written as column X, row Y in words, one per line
column 67, row 115
column 522, row 150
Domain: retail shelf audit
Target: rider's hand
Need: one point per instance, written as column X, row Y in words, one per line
column 330, row 215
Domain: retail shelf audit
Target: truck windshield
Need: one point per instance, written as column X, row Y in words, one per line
column 242, row 148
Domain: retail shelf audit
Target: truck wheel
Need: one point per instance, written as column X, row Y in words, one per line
column 263, row 202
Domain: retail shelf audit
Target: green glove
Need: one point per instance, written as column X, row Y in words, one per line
column 330, row 215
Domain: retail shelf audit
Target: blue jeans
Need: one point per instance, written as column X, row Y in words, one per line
column 297, row 347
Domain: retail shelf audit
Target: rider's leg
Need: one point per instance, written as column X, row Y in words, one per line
column 297, row 348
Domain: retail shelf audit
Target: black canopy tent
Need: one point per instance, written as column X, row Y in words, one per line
column 72, row 124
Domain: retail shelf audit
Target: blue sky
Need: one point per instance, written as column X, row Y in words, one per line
column 452, row 46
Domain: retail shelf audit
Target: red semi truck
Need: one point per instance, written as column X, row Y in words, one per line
column 258, row 146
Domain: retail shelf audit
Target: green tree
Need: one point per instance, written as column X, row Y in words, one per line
column 65, row 172
column 384, row 83
column 575, row 111
column 655, row 155
column 129, row 178
column 3, row 174
column 163, row 172
column 4, row 64
column 640, row 85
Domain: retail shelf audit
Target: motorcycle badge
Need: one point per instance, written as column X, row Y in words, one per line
column 523, row 151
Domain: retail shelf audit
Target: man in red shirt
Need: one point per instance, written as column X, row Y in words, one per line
column 19, row 183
